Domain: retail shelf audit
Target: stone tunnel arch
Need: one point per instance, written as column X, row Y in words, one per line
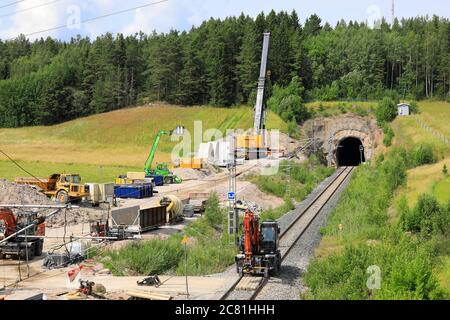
column 344, row 147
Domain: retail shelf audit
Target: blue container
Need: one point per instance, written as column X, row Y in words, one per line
column 157, row 180
column 147, row 190
column 135, row 191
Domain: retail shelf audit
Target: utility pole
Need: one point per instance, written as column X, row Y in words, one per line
column 185, row 241
column 393, row 11
column 233, row 216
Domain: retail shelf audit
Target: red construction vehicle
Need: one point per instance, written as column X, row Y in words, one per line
column 18, row 245
column 259, row 253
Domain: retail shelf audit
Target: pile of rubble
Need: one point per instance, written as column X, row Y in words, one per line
column 192, row 174
column 70, row 217
column 12, row 193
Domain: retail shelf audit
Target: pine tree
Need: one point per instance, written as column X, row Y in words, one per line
column 192, row 86
column 312, row 26
column 248, row 62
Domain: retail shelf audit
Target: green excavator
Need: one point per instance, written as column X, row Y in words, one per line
column 162, row 169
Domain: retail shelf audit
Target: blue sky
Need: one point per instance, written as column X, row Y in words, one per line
column 182, row 14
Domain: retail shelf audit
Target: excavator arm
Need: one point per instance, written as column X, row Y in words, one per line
column 251, row 234
column 151, row 156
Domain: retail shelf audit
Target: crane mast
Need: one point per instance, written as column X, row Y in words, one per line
column 259, row 120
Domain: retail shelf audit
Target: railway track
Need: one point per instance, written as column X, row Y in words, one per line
column 289, row 236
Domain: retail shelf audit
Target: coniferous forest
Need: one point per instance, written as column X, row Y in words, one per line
column 217, row 63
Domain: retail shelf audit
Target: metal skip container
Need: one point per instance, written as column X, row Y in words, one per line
column 134, row 219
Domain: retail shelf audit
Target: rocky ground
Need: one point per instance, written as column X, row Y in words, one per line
column 12, row 193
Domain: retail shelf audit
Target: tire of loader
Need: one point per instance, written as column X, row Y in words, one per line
column 23, row 253
column 168, row 180
column 62, row 196
column 266, row 272
column 38, row 246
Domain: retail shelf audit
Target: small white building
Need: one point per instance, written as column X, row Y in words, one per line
column 403, row 109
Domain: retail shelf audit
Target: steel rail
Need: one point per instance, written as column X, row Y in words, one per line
column 345, row 172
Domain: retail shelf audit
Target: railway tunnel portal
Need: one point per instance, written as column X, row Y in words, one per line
column 344, row 140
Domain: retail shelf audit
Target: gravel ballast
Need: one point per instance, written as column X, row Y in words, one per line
column 288, row 285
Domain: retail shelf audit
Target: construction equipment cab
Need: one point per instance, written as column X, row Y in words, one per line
column 65, row 187
column 20, row 245
column 259, row 247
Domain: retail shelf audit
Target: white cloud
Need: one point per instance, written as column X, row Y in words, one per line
column 181, row 14
column 33, row 20
column 162, row 17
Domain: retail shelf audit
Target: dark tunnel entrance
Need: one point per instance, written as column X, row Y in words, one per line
column 350, row 152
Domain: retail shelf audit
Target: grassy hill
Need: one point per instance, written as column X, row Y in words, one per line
column 367, row 215
column 426, row 179
column 436, row 115
column 101, row 146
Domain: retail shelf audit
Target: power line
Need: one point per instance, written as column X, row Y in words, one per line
column 11, row 4
column 30, row 8
column 93, row 19
column 13, row 161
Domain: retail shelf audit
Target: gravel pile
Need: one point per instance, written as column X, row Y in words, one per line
column 12, row 193
column 71, row 217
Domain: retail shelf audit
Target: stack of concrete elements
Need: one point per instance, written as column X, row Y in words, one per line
column 206, row 152
column 215, row 152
